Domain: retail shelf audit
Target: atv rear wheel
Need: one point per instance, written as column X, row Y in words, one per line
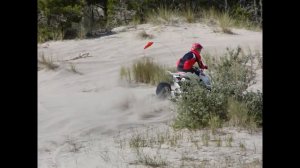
column 163, row 90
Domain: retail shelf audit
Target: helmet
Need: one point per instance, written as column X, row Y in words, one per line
column 196, row 46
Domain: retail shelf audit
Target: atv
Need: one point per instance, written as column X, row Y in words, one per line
column 174, row 89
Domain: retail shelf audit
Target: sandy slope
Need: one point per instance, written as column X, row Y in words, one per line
column 92, row 107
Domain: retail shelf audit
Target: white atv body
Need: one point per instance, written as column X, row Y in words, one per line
column 165, row 89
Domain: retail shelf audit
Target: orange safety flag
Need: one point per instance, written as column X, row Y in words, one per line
column 148, row 44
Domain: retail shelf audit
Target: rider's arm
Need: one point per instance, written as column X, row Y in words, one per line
column 201, row 65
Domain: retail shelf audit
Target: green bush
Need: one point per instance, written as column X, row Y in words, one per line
column 254, row 103
column 238, row 113
column 228, row 99
column 197, row 106
column 232, row 76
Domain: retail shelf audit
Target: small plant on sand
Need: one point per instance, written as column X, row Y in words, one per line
column 144, row 35
column 164, row 15
column 104, row 155
column 47, row 62
column 214, row 123
column 228, row 161
column 225, row 22
column 205, row 138
column 149, row 160
column 189, row 15
column 174, row 138
column 125, row 74
column 238, row 113
column 185, row 157
column 74, row 145
column 137, row 141
column 219, row 142
column 74, row 69
column 242, row 146
column 254, row 146
column 229, row 140
column 160, row 138
column 120, row 141
column 222, row 19
column 145, row 70
column 195, row 142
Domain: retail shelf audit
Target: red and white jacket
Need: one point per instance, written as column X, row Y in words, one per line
column 189, row 59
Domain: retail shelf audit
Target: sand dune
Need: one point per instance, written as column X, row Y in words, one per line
column 91, row 108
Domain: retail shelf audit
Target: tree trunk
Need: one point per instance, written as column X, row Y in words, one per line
column 242, row 2
column 255, row 10
column 62, row 32
column 261, row 12
column 92, row 19
column 105, row 9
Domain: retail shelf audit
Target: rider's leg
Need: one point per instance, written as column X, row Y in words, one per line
column 184, row 70
column 196, row 71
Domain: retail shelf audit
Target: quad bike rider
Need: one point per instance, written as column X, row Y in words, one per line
column 185, row 69
column 185, row 63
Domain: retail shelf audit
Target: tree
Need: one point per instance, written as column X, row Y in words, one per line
column 60, row 14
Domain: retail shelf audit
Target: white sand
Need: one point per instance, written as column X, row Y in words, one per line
column 89, row 110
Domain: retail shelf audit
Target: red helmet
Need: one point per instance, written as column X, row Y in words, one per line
column 196, row 46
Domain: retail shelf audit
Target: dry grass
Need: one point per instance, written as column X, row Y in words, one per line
column 151, row 143
column 222, row 19
column 144, row 35
column 229, row 140
column 225, row 22
column 215, row 123
column 219, row 142
column 255, row 163
column 242, row 146
column 164, row 15
column 189, row 15
column 154, row 139
column 74, row 145
column 138, row 141
column 74, row 69
column 47, row 62
column 237, row 113
column 205, row 138
column 125, row 74
column 144, row 70
column 150, row 160
column 104, row 155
